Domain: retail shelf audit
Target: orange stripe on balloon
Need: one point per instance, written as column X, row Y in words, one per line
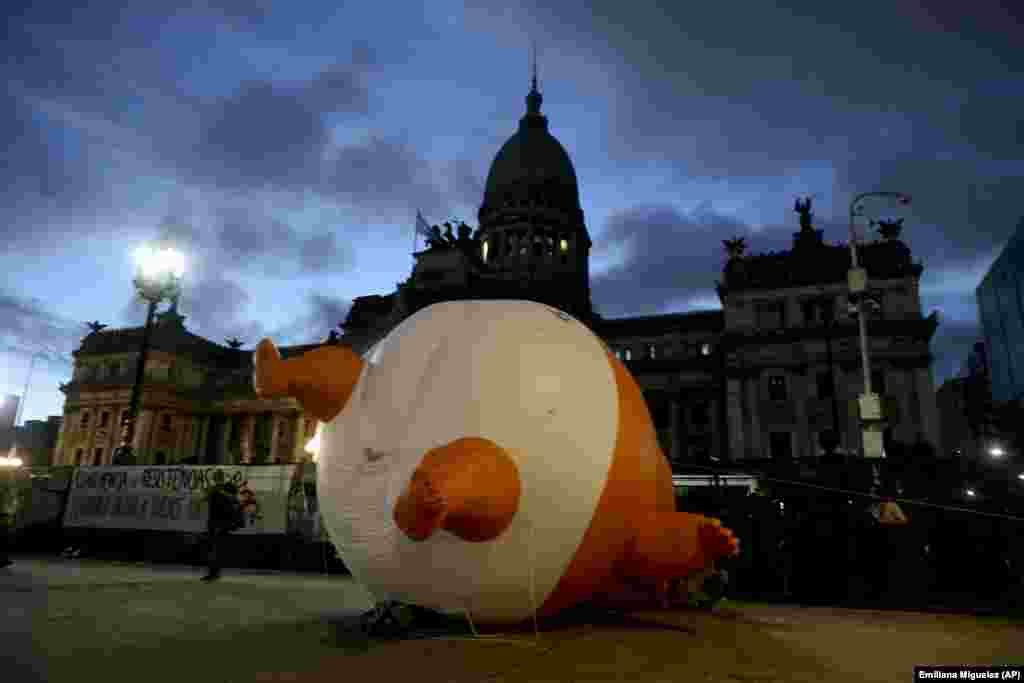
column 639, row 482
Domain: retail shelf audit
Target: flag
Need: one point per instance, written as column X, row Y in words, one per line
column 422, row 228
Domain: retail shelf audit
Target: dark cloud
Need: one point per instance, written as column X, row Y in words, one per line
column 950, row 347
column 27, row 327
column 384, row 172
column 321, row 315
column 465, row 181
column 255, row 242
column 272, row 134
column 670, row 256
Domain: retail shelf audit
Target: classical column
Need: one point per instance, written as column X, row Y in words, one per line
column 675, row 425
column 754, row 407
column 202, row 436
column 141, row 436
column 184, row 427
column 275, row 421
column 223, row 451
column 298, row 442
column 928, row 408
column 245, row 442
column 734, row 417
column 798, row 391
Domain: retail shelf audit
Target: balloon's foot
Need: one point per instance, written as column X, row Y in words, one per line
column 388, row 619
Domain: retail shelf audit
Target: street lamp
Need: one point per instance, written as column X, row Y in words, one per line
column 313, row 445
column 870, row 405
column 158, row 277
column 996, row 451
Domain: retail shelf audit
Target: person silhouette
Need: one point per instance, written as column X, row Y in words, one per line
column 222, row 520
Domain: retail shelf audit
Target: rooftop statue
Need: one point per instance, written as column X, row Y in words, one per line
column 95, row 326
column 735, row 247
column 889, row 230
column 234, row 342
column 804, row 209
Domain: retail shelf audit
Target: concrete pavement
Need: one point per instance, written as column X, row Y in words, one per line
column 84, row 620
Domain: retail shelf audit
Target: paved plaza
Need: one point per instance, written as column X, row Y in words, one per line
column 87, row 620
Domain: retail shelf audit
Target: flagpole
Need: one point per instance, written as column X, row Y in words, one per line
column 415, row 229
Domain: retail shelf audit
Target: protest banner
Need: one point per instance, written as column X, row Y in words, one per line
column 173, row 498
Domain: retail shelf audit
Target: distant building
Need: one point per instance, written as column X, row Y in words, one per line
column 8, row 415
column 198, row 404
column 1001, row 312
column 36, row 441
column 8, row 411
column 763, row 377
column 957, row 438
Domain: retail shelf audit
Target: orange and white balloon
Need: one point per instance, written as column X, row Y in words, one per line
column 493, row 457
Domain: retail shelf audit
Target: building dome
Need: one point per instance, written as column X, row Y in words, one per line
column 532, row 162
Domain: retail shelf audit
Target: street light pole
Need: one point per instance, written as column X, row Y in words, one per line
column 159, row 277
column 870, row 405
column 128, row 428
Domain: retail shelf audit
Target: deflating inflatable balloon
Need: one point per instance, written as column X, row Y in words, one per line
column 493, row 457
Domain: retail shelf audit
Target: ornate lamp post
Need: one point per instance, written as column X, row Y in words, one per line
column 158, row 277
column 870, row 404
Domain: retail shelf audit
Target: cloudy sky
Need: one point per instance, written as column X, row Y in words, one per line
column 289, row 144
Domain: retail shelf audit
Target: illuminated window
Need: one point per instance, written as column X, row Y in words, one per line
column 628, row 354
column 705, row 349
column 563, row 245
column 652, row 351
column 486, row 248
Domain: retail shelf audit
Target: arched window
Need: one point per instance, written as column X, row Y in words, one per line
column 652, row 351
column 485, row 249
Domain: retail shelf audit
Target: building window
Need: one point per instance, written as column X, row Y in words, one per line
column 652, row 351
column 777, row 388
column 85, row 420
column 486, row 248
column 563, row 245
column 825, row 384
column 628, row 354
column 818, row 311
column 780, row 445
column 705, row 349
column 104, row 418
column 618, row 353
column 97, row 458
column 878, row 381
column 771, row 315
column 79, row 456
column 165, row 422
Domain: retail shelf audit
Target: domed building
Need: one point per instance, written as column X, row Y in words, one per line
column 761, row 378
